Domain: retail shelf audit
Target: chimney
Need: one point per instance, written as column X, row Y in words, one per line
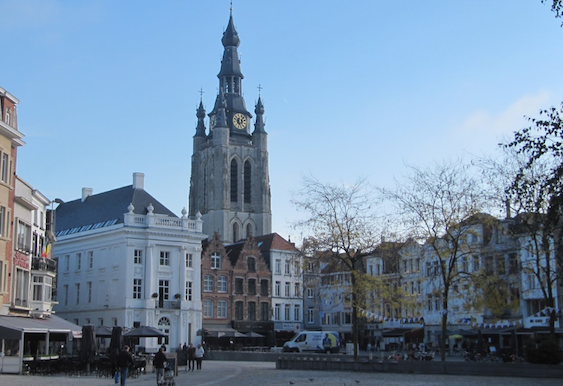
column 139, row 181
column 86, row 192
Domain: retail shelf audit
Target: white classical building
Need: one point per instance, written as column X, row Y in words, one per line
column 125, row 260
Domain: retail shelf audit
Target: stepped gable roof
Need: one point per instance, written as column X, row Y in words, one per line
column 104, row 209
column 265, row 243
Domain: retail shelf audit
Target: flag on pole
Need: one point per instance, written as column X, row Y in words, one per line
column 46, row 251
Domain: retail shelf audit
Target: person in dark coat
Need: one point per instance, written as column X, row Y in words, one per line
column 158, row 362
column 124, row 361
column 191, row 357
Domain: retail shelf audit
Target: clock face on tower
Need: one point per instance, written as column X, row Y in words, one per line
column 239, row 121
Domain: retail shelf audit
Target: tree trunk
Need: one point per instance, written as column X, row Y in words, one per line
column 354, row 319
column 444, row 329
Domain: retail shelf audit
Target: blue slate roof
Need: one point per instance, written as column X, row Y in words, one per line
column 104, row 209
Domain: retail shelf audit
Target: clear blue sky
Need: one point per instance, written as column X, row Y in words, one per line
column 351, row 88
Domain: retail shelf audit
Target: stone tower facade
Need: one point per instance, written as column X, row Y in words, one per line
column 230, row 182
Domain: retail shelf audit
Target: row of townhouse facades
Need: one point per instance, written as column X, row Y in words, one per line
column 26, row 271
column 28, row 327
column 498, row 252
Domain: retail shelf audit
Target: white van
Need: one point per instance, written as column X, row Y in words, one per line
column 317, row 341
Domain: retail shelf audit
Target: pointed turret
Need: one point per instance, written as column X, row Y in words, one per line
column 200, row 129
column 259, row 110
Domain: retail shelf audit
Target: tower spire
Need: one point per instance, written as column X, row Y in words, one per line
column 200, row 114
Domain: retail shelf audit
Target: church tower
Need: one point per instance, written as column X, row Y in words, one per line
column 230, row 182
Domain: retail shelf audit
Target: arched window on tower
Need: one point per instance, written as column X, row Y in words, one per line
column 247, row 182
column 248, row 230
column 235, row 232
column 234, row 180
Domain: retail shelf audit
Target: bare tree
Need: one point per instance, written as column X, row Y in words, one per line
column 342, row 224
column 536, row 192
column 440, row 207
column 556, row 7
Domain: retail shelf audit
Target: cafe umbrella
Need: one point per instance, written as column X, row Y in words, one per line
column 88, row 346
column 116, row 342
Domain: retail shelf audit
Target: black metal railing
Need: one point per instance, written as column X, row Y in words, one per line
column 43, row 264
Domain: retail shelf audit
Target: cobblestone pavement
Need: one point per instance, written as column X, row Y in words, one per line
column 265, row 374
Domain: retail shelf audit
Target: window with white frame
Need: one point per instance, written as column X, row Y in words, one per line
column 310, row 293
column 287, row 289
column 287, row 308
column 5, row 175
column 48, row 289
column 67, row 262
column 164, row 289
column 23, row 236
column 65, row 291
column 138, row 256
column 287, row 268
column 278, row 288
column 215, row 260
column 3, row 216
column 278, row 267
column 297, row 289
column 189, row 260
column 189, row 290
column 2, row 278
column 137, row 288
column 90, row 259
column 208, row 283
column 38, row 288
column 277, row 311
column 296, row 312
column 164, row 258
column 208, row 308
column 222, row 284
column 310, row 315
column 222, row 309
column 78, row 261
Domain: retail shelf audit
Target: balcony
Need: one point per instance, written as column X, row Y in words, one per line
column 165, row 222
column 43, row 264
column 167, row 304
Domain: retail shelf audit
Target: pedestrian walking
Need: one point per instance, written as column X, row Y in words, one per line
column 199, row 352
column 124, row 361
column 158, row 362
column 191, row 357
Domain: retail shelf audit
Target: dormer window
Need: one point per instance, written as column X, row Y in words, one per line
column 215, row 261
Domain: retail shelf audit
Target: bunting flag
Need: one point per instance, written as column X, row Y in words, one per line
column 46, row 251
column 382, row 318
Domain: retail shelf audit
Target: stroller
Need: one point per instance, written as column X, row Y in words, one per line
column 168, row 379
